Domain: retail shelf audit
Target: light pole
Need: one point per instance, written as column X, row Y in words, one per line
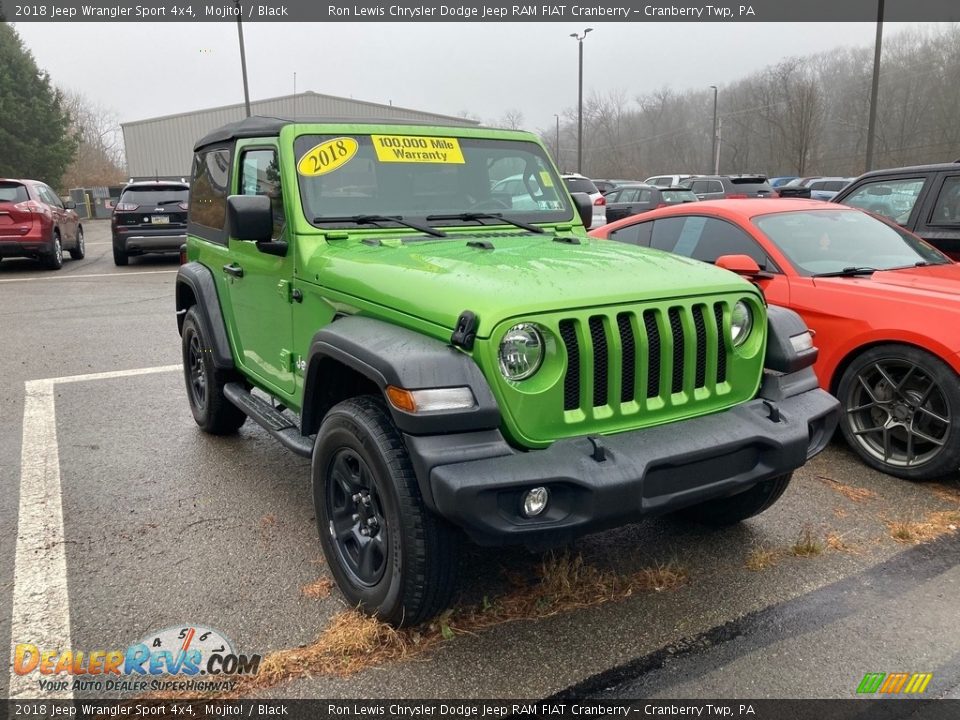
column 872, row 122
column 579, row 39
column 243, row 57
column 556, row 145
column 713, row 148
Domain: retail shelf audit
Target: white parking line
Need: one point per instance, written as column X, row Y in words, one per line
column 90, row 275
column 41, row 602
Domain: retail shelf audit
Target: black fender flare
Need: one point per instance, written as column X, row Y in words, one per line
column 196, row 281
column 386, row 355
column 783, row 324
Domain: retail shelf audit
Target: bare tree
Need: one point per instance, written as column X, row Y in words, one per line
column 99, row 159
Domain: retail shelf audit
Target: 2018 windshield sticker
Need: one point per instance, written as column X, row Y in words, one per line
column 417, row 149
column 327, row 156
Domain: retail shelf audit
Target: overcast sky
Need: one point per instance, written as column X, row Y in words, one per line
column 149, row 69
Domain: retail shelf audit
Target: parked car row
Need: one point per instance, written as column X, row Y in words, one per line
column 815, row 188
column 150, row 217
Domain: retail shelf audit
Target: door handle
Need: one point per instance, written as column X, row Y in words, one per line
column 234, row 270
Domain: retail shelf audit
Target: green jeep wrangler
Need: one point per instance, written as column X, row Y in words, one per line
column 458, row 357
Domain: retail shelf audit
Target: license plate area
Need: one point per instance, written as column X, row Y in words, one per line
column 159, row 220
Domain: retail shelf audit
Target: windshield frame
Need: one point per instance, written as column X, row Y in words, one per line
column 304, row 142
column 926, row 253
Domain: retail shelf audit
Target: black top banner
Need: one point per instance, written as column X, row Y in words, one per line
column 584, row 11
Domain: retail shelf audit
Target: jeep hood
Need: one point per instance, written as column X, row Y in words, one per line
column 521, row 275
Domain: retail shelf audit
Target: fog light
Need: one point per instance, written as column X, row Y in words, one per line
column 535, row 501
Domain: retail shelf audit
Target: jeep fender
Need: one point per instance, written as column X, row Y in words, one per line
column 195, row 286
column 389, row 355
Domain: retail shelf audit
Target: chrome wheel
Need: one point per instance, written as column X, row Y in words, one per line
column 898, row 413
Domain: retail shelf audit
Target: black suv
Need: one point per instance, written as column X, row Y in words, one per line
column 150, row 217
column 924, row 199
column 628, row 200
column 718, row 187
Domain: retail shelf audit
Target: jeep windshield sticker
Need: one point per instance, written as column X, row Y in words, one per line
column 417, row 149
column 327, row 156
column 546, row 179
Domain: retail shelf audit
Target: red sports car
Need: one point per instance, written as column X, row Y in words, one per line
column 884, row 305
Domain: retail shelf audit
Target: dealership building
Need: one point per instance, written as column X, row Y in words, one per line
column 162, row 147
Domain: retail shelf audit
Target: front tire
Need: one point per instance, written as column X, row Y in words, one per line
column 80, row 249
column 211, row 409
column 734, row 509
column 391, row 557
column 901, row 412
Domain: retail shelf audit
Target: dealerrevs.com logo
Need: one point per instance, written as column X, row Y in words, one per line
column 189, row 657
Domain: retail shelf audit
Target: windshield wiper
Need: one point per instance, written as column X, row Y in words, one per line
column 848, row 272
column 477, row 216
column 374, row 219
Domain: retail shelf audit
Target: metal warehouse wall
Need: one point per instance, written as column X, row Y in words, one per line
column 163, row 146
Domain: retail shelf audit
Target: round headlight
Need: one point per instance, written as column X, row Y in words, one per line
column 741, row 323
column 521, row 352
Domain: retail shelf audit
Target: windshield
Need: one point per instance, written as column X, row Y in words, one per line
column 13, row 192
column 414, row 177
column 678, row 196
column 829, row 241
column 577, row 184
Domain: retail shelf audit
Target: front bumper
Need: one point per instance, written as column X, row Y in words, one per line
column 637, row 473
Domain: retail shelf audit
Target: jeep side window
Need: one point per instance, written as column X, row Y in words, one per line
column 260, row 175
column 947, row 209
column 208, row 192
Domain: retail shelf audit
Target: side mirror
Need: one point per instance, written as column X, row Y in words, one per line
column 584, row 206
column 250, row 217
column 70, row 205
column 742, row 265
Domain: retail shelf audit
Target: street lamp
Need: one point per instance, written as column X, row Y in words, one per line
column 713, row 148
column 556, row 145
column 579, row 39
column 243, row 56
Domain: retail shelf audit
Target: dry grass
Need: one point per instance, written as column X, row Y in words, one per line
column 318, row 589
column 935, row 524
column 353, row 642
column 850, row 492
column 949, row 493
column 806, row 545
column 836, row 542
column 762, row 558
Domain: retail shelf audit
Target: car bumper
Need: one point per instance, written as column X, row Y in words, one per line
column 150, row 241
column 24, row 246
column 637, row 473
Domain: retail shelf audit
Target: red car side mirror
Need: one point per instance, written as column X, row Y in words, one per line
column 743, row 265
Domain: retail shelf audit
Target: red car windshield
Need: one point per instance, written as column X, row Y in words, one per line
column 831, row 241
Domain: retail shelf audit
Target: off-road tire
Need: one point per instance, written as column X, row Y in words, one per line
column 211, row 409
column 898, row 406
column 80, row 249
column 420, row 565
column 54, row 259
column 734, row 509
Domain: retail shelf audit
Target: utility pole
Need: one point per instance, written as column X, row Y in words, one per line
column 556, row 146
column 875, row 86
column 579, row 39
column 243, row 57
column 713, row 147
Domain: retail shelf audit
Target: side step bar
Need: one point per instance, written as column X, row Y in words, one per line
column 275, row 423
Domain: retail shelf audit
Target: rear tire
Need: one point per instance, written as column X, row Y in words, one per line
column 211, row 409
column 54, row 260
column 120, row 258
column 391, row 557
column 78, row 252
column 734, row 509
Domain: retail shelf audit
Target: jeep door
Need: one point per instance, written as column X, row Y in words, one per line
column 258, row 283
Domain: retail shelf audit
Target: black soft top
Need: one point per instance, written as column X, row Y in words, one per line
column 266, row 126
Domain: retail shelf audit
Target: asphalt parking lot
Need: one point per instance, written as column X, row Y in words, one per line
column 163, row 526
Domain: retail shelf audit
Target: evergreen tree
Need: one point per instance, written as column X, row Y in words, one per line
column 35, row 138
